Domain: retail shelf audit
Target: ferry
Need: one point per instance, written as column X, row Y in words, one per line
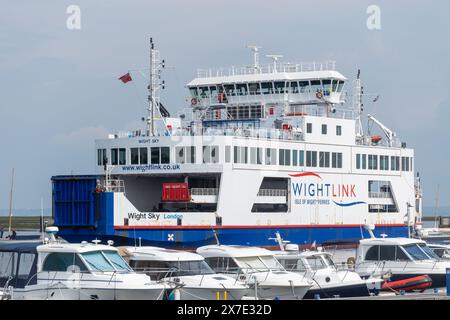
column 256, row 150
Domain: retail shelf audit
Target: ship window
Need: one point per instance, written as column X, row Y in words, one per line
column 311, row 158
column 395, row 163
column 236, row 154
column 179, row 154
column 266, row 87
column 279, row 86
column 240, row 154
column 340, row 85
column 324, row 159
column 227, row 154
column 253, row 88
column 101, row 157
column 339, row 130
column 213, row 91
column 193, row 91
column 294, row 87
column 373, row 253
column 229, row 89
column 336, row 160
column 358, row 161
column 65, row 262
column 271, row 156
column 373, row 162
column 190, row 154
column 114, row 156
column 384, row 162
column 204, row 92
column 410, row 163
column 387, row 253
column 294, row 157
column 255, row 155
column 316, row 86
column 334, row 85
column 241, row 89
column 309, row 128
column 154, row 155
column 143, row 155
column 122, row 156
column 405, row 163
column 210, row 154
column 303, row 86
column 363, row 161
column 324, row 129
column 301, row 158
column 134, row 152
column 326, row 87
column 165, row 155
column 285, row 157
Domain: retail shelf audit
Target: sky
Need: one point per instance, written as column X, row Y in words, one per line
column 59, row 89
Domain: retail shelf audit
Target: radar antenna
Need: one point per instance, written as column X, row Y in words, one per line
column 274, row 58
column 255, row 50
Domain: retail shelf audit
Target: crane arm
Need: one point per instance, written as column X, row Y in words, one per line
column 388, row 132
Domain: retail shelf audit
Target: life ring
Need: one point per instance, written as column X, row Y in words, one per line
column 193, row 101
column 351, row 262
column 319, row 95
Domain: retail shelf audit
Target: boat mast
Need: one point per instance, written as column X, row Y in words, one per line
column 154, row 87
column 358, row 104
column 10, row 200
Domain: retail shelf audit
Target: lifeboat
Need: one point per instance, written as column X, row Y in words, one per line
column 419, row 283
column 376, row 139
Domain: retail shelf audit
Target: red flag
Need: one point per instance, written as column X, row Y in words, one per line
column 125, row 78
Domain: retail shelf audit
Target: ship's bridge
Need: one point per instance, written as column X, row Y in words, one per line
column 282, row 84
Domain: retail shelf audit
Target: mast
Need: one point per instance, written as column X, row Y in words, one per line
column 10, row 200
column 255, row 50
column 358, row 104
column 154, row 87
column 436, row 208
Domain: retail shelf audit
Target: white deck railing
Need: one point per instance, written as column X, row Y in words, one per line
column 272, row 193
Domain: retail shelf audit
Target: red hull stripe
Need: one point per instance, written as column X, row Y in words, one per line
column 304, row 174
column 302, row 226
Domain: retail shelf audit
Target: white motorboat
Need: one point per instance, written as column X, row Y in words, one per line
column 82, row 271
column 400, row 258
column 193, row 277
column 328, row 280
column 259, row 268
column 441, row 250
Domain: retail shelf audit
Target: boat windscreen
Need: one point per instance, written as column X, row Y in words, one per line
column 428, row 251
column 117, row 261
column 97, row 261
column 415, row 252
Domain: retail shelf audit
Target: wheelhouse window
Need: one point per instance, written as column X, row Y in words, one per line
column 301, row 158
column 194, row 92
column 294, row 87
column 326, row 87
column 227, row 154
column 253, row 88
column 101, row 157
column 316, row 86
column 143, row 155
column 114, row 157
column 303, row 86
column 279, row 87
column 210, row 154
column 294, row 157
column 405, row 163
column 309, row 127
column 267, row 88
column 241, row 89
column 134, row 155
column 184, row 154
column 229, row 89
column 63, row 262
column 165, row 155
column 154, row 155
column 203, row 92
column 122, row 156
